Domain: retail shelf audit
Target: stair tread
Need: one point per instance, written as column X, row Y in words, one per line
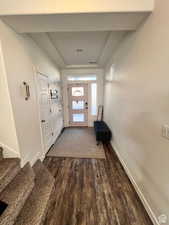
column 35, row 208
column 8, row 170
column 16, row 193
column 38, row 167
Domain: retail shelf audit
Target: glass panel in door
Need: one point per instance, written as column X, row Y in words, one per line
column 78, row 105
column 79, row 117
column 77, row 91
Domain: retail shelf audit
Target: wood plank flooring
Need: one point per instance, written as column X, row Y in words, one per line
column 93, row 192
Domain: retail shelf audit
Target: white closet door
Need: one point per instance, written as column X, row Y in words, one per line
column 45, row 111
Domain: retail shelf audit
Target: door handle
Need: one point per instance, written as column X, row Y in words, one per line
column 43, row 121
column 27, row 91
column 86, row 105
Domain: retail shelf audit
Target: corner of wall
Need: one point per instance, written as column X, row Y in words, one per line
column 9, row 152
column 136, row 187
column 31, row 159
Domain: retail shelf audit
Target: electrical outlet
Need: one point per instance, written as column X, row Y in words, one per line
column 162, row 219
column 163, row 131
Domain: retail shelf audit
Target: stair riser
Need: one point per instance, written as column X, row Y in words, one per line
column 36, row 207
column 1, row 153
column 7, row 179
column 10, row 218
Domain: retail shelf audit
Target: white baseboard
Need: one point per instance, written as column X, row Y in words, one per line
column 43, row 157
column 39, row 155
column 30, row 159
column 9, row 152
column 137, row 189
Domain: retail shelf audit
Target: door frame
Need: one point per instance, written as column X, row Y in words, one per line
column 89, row 99
column 60, row 110
column 80, row 83
column 65, row 73
column 36, row 73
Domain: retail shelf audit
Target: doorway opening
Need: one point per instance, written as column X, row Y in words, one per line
column 50, row 109
column 78, row 104
column 82, row 99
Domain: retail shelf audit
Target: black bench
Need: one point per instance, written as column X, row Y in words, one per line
column 103, row 133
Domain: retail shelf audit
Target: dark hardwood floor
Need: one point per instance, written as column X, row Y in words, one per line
column 93, row 192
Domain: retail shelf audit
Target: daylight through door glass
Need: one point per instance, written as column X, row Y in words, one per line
column 77, row 105
column 79, row 117
column 77, row 91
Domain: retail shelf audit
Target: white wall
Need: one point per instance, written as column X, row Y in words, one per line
column 22, row 56
column 8, row 138
column 71, row 6
column 137, row 105
column 100, row 80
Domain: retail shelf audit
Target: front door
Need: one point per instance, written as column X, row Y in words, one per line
column 78, row 104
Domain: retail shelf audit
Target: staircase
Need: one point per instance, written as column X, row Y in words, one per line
column 27, row 191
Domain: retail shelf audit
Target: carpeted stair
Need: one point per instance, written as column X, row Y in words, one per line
column 36, row 206
column 27, row 192
column 8, row 170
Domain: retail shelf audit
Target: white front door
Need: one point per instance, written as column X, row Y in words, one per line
column 45, row 111
column 78, row 104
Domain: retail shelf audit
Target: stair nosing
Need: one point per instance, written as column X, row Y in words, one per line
column 18, row 197
column 42, row 193
column 10, row 173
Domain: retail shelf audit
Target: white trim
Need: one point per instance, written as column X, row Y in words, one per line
column 38, row 105
column 39, row 155
column 137, row 189
column 29, row 159
column 9, row 152
column 43, row 156
column 81, row 72
column 87, row 66
column 85, row 98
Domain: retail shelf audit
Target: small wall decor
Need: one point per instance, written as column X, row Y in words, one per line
column 54, row 94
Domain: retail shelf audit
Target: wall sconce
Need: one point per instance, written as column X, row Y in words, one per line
column 26, row 91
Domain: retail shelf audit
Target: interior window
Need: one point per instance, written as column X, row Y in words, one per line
column 82, row 78
column 94, row 99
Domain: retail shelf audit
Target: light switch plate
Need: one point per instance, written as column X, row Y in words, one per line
column 165, row 131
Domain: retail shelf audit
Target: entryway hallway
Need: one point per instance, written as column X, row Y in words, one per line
column 93, row 192
column 60, row 62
